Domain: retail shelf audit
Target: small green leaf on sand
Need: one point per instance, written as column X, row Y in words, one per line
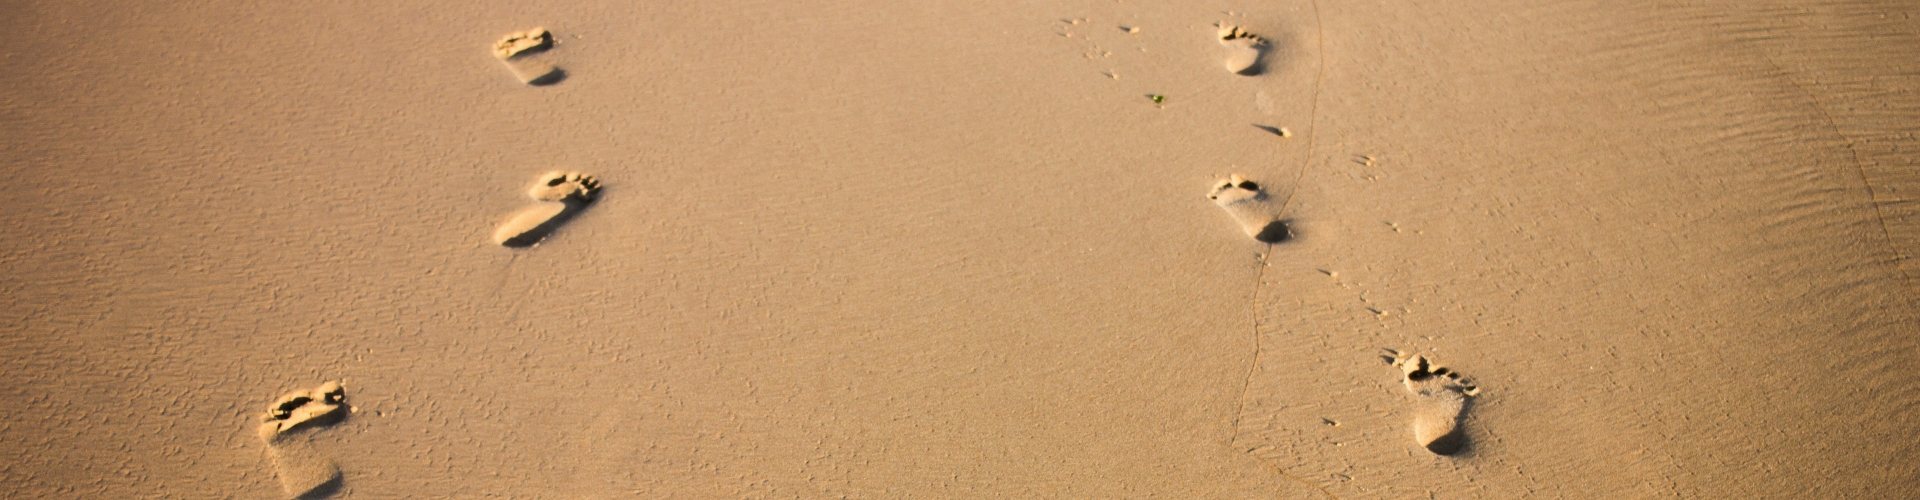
column 1157, row 98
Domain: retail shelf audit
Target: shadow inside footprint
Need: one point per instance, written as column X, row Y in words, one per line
column 570, row 208
column 316, row 420
column 324, row 490
column 1454, row 442
column 1259, row 63
column 550, row 78
column 1275, row 232
column 1279, row 44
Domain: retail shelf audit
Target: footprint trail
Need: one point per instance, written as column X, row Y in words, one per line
column 1246, row 59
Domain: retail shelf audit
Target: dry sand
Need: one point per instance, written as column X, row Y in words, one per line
column 914, row 250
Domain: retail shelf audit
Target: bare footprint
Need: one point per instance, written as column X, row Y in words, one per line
column 1440, row 398
column 559, row 196
column 304, row 472
column 520, row 51
column 1244, row 49
column 1249, row 205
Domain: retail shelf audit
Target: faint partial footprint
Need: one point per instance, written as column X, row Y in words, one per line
column 520, row 51
column 1441, row 397
column 1243, row 49
column 559, row 196
column 304, row 472
column 1249, row 205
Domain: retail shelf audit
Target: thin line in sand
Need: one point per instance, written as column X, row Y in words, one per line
column 1253, row 368
column 1313, row 113
column 506, row 274
column 1313, row 132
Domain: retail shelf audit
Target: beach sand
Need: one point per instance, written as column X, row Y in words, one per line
column 908, row 250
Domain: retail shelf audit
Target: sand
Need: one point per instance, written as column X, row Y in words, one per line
column 910, row 250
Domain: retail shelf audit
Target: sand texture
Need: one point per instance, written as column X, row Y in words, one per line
column 953, row 250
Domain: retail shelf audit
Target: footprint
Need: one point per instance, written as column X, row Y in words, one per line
column 520, row 52
column 304, row 472
column 1244, row 49
column 1440, row 399
column 560, row 196
column 1250, row 206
